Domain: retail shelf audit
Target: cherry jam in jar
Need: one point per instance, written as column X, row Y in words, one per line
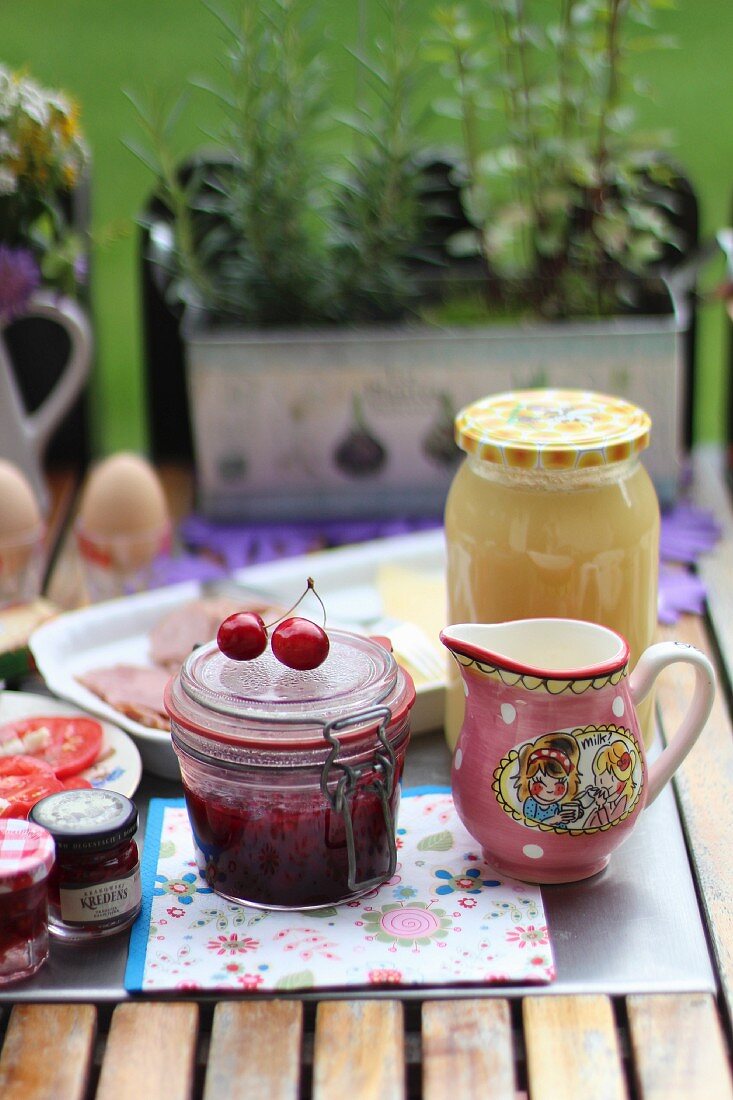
column 26, row 859
column 94, row 889
column 291, row 778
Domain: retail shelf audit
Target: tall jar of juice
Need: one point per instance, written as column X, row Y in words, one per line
column 552, row 514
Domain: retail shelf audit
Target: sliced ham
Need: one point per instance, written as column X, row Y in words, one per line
column 193, row 623
column 134, row 690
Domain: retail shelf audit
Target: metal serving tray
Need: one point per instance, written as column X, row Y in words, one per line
column 635, row 928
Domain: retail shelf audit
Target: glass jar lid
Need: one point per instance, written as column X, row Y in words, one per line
column 27, row 854
column 86, row 820
column 264, row 703
column 553, row 429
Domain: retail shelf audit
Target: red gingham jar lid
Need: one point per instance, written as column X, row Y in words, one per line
column 27, row 854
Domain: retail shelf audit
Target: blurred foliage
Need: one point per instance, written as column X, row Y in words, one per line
column 568, row 199
column 566, row 202
column 43, row 157
column 263, row 229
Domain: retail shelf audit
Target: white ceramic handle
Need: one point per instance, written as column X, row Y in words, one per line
column 650, row 664
column 41, row 423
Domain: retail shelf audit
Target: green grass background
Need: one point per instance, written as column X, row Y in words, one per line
column 96, row 48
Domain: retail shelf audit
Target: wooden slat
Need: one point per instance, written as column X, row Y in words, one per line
column 63, row 485
column 48, row 1052
column 150, row 1053
column 359, row 1051
column 678, row 1048
column 704, row 784
column 572, row 1048
column 178, row 486
column 243, row 1037
column 467, row 1049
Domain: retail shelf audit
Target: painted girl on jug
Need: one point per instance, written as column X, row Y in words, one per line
column 548, row 780
column 613, row 785
column 571, row 781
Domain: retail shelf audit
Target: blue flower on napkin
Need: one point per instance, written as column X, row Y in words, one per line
column 182, row 889
column 469, row 882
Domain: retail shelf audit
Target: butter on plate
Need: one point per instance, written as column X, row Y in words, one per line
column 417, row 597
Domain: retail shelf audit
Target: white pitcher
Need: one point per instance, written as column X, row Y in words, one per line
column 24, row 436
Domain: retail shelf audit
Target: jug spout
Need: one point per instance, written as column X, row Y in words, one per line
column 480, row 641
column 564, row 648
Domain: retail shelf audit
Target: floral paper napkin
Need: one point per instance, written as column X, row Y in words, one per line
column 444, row 918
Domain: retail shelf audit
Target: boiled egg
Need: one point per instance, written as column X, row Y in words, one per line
column 21, row 536
column 123, row 510
column 20, row 513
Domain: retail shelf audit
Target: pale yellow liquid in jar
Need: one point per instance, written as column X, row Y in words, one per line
column 580, row 544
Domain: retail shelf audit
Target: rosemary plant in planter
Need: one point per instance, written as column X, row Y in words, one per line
column 324, row 361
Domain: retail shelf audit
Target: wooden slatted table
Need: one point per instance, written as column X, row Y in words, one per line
column 659, row 1046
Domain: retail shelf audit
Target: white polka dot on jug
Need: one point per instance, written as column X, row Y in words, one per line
column 618, row 706
column 508, row 713
column 533, row 851
column 458, row 760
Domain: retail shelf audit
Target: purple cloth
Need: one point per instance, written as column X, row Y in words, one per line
column 217, row 549
column 679, row 591
column 687, row 532
column 238, row 544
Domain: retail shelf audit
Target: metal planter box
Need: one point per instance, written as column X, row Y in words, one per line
column 343, row 422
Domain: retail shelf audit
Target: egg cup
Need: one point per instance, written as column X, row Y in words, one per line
column 22, row 559
column 120, row 565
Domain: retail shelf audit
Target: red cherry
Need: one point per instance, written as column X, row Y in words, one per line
column 300, row 644
column 243, row 636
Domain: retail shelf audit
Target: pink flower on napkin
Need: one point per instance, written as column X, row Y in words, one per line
column 530, row 934
column 385, row 976
column 232, row 945
column 250, row 981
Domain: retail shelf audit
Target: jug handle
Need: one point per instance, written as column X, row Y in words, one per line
column 651, row 663
column 41, row 423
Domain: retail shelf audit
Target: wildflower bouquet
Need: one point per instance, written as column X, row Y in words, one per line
column 42, row 161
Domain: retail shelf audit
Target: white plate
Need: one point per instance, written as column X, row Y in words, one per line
column 118, row 766
column 117, row 631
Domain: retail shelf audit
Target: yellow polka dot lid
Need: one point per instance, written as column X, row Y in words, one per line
column 552, row 429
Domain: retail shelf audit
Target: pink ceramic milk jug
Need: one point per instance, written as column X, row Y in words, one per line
column 549, row 773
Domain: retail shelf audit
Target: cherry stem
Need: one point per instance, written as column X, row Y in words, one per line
column 310, row 587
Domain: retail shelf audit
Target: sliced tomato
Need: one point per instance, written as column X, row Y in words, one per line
column 75, row 783
column 73, row 742
column 23, row 782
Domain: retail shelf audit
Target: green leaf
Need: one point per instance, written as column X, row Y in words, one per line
column 436, row 842
column 299, row 980
column 448, row 108
column 318, row 914
column 465, row 243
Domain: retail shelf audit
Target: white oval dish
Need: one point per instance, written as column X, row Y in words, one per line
column 117, row 631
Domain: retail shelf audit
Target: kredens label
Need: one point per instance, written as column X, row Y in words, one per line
column 101, row 902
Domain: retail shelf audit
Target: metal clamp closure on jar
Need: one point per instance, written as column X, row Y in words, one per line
column 384, row 763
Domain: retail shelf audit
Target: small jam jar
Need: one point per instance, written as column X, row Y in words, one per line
column 26, row 859
column 94, row 889
column 291, row 777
